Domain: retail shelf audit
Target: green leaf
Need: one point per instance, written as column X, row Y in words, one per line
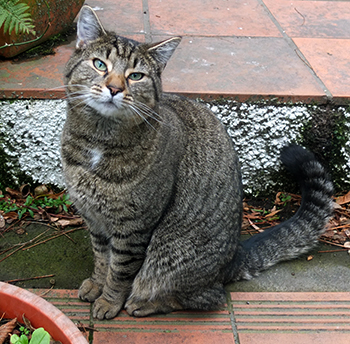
column 29, row 200
column 14, row 16
column 21, row 212
column 14, row 339
column 40, row 336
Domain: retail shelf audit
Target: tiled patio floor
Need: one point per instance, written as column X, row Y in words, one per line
column 249, row 318
column 292, row 50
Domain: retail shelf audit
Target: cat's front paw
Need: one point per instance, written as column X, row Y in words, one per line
column 104, row 309
column 89, row 290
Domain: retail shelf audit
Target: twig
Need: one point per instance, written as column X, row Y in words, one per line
column 12, row 225
column 47, row 291
column 330, row 243
column 10, row 254
column 68, row 237
column 29, row 278
column 331, row 251
column 300, row 15
column 54, row 237
column 337, row 227
column 21, row 245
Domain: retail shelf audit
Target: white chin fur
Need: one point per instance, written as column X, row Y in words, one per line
column 110, row 107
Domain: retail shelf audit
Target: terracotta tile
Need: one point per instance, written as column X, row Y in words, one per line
column 330, row 60
column 123, row 17
column 211, row 18
column 177, row 327
column 240, row 67
column 312, row 18
column 269, row 318
column 202, row 337
column 293, row 338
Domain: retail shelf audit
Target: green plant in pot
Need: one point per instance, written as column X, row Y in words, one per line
column 27, row 23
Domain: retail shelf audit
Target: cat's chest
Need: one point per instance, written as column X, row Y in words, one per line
column 95, row 157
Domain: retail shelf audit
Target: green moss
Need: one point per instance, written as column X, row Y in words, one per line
column 69, row 258
column 326, row 134
column 47, row 47
column 10, row 172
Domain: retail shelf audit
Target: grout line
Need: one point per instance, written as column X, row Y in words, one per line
column 92, row 325
column 146, row 21
column 232, row 318
column 296, row 49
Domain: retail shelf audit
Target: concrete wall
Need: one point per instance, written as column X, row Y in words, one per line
column 30, row 139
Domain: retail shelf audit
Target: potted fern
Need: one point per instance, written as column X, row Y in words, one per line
column 26, row 23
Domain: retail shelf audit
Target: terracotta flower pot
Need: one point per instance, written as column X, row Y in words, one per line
column 15, row 302
column 57, row 18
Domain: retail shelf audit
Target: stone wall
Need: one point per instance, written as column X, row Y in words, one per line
column 30, row 139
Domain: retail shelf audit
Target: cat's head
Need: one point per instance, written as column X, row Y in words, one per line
column 117, row 77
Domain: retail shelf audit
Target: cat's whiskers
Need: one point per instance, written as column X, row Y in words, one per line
column 149, row 111
column 139, row 113
column 144, row 109
column 84, row 99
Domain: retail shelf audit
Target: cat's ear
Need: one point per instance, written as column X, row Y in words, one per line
column 89, row 27
column 162, row 51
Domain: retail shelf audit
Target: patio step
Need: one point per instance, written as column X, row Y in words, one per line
column 248, row 318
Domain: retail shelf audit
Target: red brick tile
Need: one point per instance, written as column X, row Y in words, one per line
column 178, row 327
column 199, row 337
column 330, row 60
column 308, row 318
column 293, row 338
column 312, row 18
column 123, row 17
column 240, row 67
column 210, row 18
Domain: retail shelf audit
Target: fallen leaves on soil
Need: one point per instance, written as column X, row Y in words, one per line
column 19, row 208
column 256, row 218
column 6, row 330
column 258, row 215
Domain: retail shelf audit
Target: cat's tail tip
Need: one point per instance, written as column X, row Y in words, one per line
column 308, row 171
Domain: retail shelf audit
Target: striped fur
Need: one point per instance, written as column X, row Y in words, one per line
column 157, row 180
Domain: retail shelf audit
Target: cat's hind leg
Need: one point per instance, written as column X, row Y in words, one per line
column 149, row 301
column 142, row 308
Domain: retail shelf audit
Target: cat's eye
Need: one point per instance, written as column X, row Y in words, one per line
column 100, row 65
column 135, row 76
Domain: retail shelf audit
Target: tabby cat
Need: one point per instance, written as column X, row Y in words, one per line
column 157, row 180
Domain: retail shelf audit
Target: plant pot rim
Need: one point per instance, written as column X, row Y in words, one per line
column 15, row 302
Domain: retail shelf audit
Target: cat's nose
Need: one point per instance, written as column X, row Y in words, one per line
column 114, row 90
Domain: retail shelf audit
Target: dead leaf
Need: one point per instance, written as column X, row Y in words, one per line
column 347, row 244
column 25, row 190
column 254, row 226
column 310, row 258
column 14, row 194
column 6, row 329
column 343, row 199
column 71, row 222
column 273, row 213
column 2, row 222
column 10, row 216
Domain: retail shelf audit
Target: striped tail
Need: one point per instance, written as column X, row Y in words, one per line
column 300, row 233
